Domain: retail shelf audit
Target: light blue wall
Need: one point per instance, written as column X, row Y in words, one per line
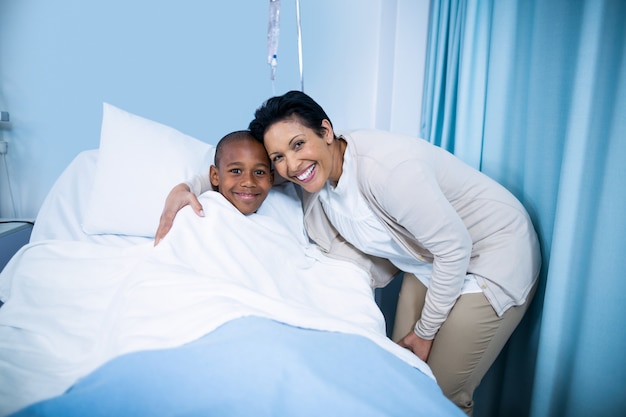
column 198, row 66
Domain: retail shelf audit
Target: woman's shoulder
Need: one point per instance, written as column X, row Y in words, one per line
column 381, row 158
column 379, row 147
column 364, row 141
column 375, row 135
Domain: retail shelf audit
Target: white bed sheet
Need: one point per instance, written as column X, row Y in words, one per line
column 74, row 300
column 71, row 306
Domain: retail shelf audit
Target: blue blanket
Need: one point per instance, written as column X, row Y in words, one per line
column 254, row 366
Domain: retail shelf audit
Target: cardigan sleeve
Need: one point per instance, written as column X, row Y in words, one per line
column 199, row 184
column 417, row 211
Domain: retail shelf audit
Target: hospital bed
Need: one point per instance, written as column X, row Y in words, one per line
column 230, row 315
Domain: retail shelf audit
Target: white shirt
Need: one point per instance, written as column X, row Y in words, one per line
column 349, row 213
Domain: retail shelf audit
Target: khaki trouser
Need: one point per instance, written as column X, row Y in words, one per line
column 467, row 343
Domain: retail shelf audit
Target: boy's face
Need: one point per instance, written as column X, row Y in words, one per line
column 244, row 174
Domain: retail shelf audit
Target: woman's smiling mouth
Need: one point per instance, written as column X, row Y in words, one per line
column 306, row 175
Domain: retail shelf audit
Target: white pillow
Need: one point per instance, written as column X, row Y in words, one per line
column 139, row 162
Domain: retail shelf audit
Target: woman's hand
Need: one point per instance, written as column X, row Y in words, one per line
column 421, row 347
column 179, row 197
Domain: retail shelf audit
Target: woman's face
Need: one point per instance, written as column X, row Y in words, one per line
column 301, row 156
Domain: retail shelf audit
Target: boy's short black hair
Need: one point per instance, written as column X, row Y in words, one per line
column 229, row 138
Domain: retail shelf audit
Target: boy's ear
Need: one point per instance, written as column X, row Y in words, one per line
column 214, row 177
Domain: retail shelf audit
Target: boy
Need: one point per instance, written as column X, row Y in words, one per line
column 241, row 173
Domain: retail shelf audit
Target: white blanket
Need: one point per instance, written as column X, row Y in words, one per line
column 71, row 306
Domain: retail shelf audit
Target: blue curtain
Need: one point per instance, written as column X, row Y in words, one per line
column 533, row 93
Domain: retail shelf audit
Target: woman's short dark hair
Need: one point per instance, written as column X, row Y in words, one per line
column 292, row 105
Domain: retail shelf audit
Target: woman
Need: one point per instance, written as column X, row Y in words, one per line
column 390, row 202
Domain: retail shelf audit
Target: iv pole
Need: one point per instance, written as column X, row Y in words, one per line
column 299, row 44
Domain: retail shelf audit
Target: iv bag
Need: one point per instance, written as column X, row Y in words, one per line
column 273, row 31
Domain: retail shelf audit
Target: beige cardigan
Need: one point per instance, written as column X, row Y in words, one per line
column 441, row 211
